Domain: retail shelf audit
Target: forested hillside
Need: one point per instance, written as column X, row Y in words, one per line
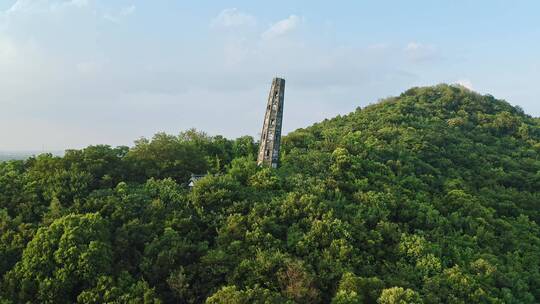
column 429, row 197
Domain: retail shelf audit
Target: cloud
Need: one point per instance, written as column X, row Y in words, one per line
column 128, row 10
column 8, row 50
column 419, row 52
column 19, row 5
column 413, row 47
column 282, row 27
column 117, row 17
column 232, row 17
column 379, row 46
column 78, row 3
column 89, row 67
column 48, row 7
column 466, row 83
column 25, row 6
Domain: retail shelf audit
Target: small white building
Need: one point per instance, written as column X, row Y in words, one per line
column 194, row 179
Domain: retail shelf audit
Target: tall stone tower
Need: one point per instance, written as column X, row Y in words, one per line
column 271, row 132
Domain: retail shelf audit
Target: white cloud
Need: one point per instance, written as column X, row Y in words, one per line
column 8, row 50
column 282, row 27
column 79, row 3
column 89, row 67
column 25, row 6
column 45, row 7
column 19, row 5
column 116, row 17
column 127, row 11
column 466, row 83
column 419, row 52
column 413, row 46
column 232, row 17
column 379, row 46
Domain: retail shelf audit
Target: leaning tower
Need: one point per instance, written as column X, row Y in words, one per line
column 271, row 131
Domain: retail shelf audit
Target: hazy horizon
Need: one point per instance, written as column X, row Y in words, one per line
column 84, row 72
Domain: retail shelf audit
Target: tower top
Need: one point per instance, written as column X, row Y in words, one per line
column 278, row 80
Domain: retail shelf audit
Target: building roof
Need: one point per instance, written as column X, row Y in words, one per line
column 195, row 178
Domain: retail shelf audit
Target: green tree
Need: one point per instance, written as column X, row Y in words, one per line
column 123, row 289
column 62, row 260
column 257, row 295
column 399, row 295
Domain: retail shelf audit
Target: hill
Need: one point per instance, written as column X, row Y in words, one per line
column 428, row 197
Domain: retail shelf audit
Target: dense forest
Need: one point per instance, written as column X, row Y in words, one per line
column 428, row 197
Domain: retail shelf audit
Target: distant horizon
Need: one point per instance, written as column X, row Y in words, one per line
column 29, row 151
column 61, row 151
column 83, row 72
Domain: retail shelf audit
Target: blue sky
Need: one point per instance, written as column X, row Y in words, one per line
column 81, row 72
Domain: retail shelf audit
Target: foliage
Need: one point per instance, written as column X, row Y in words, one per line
column 428, row 197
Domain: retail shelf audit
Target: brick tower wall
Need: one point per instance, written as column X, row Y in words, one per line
column 271, row 132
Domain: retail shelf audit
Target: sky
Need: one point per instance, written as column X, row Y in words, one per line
column 75, row 73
